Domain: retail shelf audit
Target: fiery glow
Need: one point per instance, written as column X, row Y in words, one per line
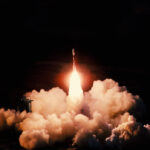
column 75, row 89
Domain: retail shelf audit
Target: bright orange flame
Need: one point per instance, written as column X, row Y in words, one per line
column 75, row 89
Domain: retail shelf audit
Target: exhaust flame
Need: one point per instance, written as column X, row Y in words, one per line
column 75, row 89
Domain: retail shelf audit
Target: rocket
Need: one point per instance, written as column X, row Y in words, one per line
column 73, row 56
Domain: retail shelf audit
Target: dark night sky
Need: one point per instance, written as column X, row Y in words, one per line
column 110, row 37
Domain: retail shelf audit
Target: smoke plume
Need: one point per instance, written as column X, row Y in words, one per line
column 105, row 117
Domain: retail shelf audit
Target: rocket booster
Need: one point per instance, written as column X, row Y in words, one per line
column 73, row 56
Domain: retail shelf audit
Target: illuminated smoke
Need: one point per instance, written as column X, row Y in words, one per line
column 10, row 118
column 100, row 118
column 103, row 118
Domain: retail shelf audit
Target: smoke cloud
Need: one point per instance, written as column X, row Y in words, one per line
column 105, row 117
column 10, row 118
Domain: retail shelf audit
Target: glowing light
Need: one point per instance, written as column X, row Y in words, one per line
column 75, row 89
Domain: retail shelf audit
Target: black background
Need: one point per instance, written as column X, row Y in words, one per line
column 111, row 38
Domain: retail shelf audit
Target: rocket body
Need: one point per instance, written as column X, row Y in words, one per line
column 73, row 56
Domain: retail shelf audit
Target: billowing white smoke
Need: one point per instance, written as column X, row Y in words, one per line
column 11, row 118
column 101, row 119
